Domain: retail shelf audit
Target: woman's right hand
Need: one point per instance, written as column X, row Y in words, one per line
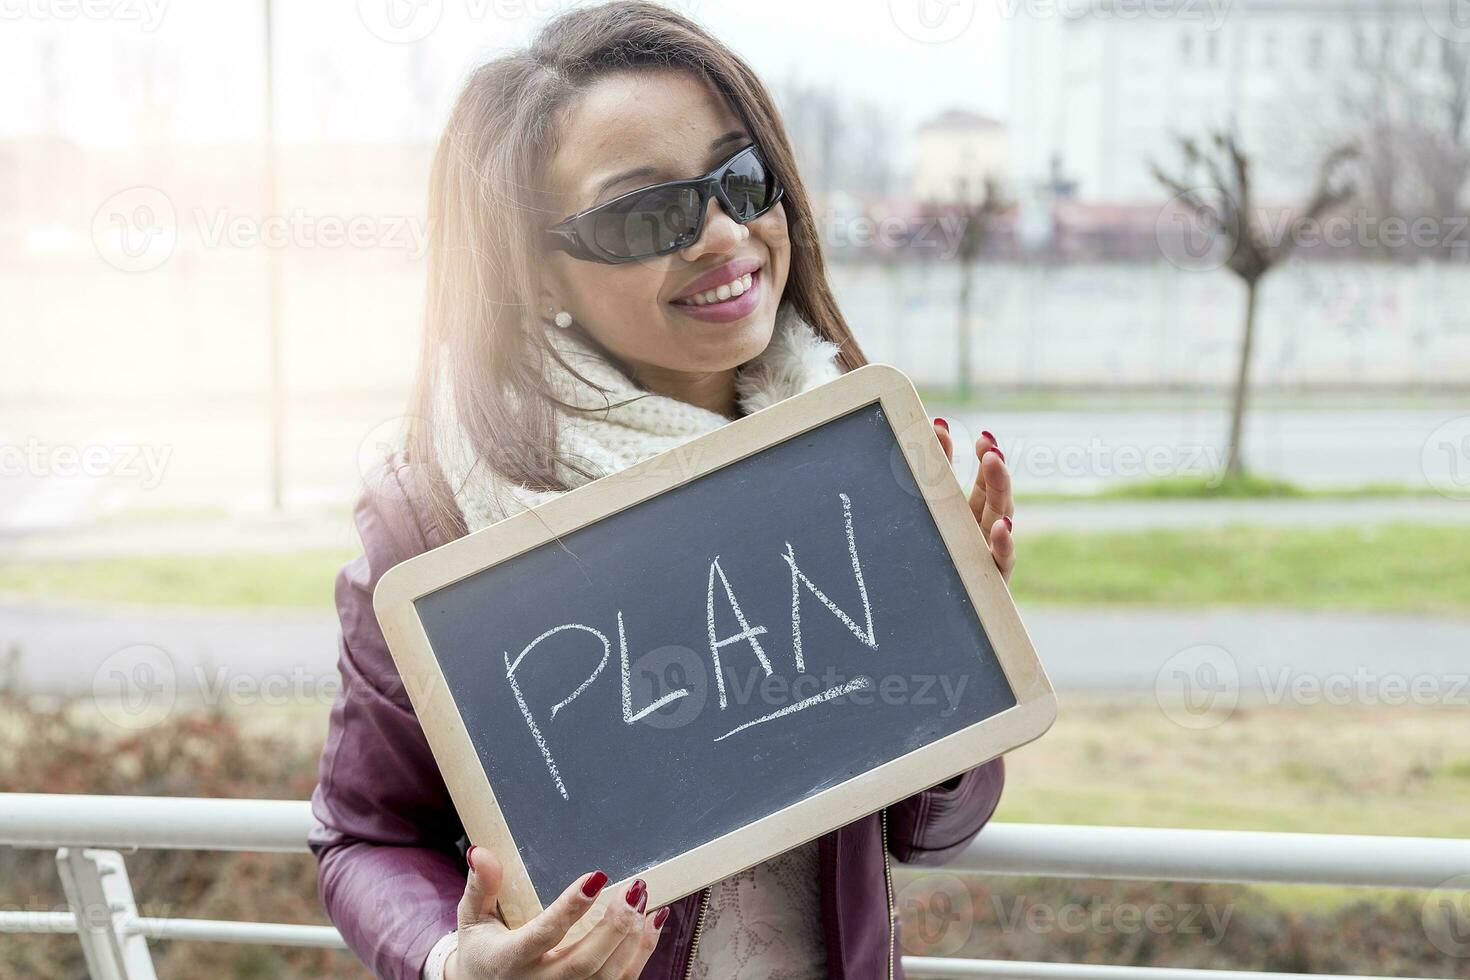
column 616, row 948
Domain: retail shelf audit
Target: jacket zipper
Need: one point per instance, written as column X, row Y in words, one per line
column 888, row 889
column 698, row 927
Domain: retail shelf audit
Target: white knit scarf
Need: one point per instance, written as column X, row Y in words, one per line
column 607, row 439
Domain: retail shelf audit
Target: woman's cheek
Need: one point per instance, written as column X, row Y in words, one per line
column 776, row 236
column 626, row 300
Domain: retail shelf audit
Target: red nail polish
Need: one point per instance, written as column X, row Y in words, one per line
column 996, row 450
column 469, row 857
column 658, row 920
column 941, row 422
column 1007, row 520
column 594, row 884
column 635, row 891
column 986, row 434
column 643, row 899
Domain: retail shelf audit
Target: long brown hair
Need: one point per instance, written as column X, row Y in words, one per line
column 486, row 216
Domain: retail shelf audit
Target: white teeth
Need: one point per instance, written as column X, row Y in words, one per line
column 721, row 293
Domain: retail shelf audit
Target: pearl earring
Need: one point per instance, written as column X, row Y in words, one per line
column 563, row 319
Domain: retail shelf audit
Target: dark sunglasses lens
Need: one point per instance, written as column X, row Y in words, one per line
column 647, row 224
column 750, row 185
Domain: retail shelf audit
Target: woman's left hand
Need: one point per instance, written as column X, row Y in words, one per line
column 990, row 497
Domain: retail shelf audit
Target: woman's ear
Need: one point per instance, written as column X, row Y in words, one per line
column 548, row 297
column 546, row 305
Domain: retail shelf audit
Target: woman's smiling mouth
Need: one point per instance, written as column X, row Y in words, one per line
column 726, row 294
column 721, row 293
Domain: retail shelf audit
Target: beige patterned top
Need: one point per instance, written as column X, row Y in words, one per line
column 765, row 923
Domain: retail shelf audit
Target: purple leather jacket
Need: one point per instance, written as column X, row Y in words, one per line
column 390, row 846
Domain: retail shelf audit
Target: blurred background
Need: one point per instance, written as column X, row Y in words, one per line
column 1202, row 266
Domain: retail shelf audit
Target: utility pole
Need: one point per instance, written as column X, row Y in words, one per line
column 276, row 399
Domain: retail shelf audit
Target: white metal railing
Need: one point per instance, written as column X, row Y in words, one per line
column 88, row 832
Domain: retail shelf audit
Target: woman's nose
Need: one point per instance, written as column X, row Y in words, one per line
column 721, row 232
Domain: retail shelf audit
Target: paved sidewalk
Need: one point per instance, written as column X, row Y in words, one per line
column 1119, row 649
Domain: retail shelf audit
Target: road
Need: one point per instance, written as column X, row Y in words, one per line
column 1088, row 450
column 245, row 658
column 150, row 460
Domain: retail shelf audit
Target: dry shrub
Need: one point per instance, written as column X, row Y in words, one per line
column 1155, row 924
column 61, row 748
column 50, row 747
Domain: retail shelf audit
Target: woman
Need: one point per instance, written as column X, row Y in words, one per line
column 561, row 344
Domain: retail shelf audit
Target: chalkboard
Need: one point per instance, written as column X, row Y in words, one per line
column 723, row 652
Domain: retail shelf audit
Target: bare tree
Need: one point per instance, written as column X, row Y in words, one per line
column 1214, row 186
column 874, row 132
column 1441, row 148
column 842, row 144
column 978, row 221
column 1405, row 98
column 1372, row 98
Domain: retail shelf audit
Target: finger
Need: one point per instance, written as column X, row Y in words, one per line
column 653, row 928
column 622, row 917
column 946, row 441
column 482, row 887
column 1003, row 547
column 990, row 496
column 626, row 961
column 538, row 936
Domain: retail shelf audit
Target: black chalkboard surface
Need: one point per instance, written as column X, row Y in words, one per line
column 639, row 687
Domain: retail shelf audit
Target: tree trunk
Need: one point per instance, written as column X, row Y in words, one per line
column 1234, row 463
column 967, row 272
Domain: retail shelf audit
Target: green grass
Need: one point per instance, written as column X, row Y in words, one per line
column 1398, row 568
column 1247, row 487
column 302, row 580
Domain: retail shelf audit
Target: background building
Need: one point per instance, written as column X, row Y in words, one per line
column 954, row 150
column 1101, row 89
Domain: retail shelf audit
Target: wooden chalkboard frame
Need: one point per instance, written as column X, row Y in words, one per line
column 485, row 824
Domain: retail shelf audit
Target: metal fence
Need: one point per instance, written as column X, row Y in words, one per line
column 88, row 833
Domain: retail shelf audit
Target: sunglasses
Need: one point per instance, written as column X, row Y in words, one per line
column 666, row 217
